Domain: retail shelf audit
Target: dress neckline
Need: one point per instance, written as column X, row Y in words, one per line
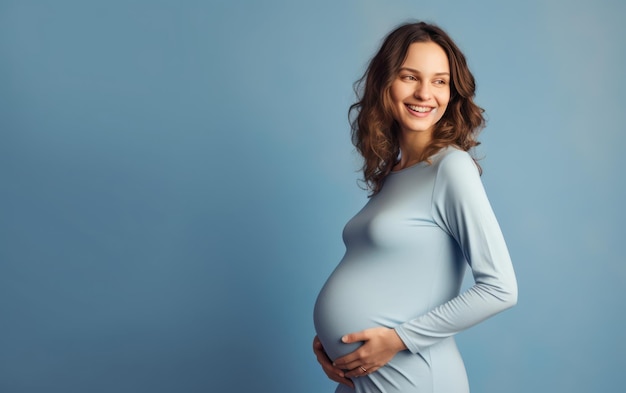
column 421, row 163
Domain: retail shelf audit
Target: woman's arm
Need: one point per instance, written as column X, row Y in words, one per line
column 461, row 208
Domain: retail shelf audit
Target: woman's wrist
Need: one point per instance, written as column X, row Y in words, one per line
column 396, row 342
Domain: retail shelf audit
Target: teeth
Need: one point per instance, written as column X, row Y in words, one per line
column 421, row 109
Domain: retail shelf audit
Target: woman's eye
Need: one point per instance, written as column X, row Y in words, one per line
column 440, row 82
column 409, row 78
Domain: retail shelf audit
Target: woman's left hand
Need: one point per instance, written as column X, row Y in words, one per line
column 380, row 345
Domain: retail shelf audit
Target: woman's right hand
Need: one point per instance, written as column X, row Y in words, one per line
column 332, row 372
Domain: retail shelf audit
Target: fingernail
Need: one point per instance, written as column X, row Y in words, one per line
column 343, row 339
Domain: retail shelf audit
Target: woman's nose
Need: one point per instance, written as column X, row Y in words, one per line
column 422, row 91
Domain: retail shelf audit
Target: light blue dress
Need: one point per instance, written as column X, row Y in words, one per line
column 406, row 254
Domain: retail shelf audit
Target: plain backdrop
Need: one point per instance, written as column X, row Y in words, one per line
column 175, row 177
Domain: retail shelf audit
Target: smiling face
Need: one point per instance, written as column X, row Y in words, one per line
column 421, row 91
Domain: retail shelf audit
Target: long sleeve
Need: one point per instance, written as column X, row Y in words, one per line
column 461, row 208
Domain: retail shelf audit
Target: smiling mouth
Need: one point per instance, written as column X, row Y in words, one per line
column 419, row 109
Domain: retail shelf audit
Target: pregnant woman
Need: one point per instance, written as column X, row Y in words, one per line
column 387, row 316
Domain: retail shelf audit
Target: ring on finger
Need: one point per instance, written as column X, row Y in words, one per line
column 363, row 369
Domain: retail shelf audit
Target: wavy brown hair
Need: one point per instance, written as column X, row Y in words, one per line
column 375, row 133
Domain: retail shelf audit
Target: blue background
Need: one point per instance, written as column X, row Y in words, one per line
column 175, row 177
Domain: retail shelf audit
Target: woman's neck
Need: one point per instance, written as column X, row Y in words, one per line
column 412, row 148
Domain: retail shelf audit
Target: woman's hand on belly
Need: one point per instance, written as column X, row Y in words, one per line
column 380, row 345
column 332, row 372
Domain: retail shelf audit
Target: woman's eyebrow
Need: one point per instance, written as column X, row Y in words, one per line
column 413, row 70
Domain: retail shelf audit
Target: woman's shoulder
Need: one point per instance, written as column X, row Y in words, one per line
column 455, row 166
column 451, row 157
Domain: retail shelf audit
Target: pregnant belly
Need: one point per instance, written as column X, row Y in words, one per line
column 361, row 294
